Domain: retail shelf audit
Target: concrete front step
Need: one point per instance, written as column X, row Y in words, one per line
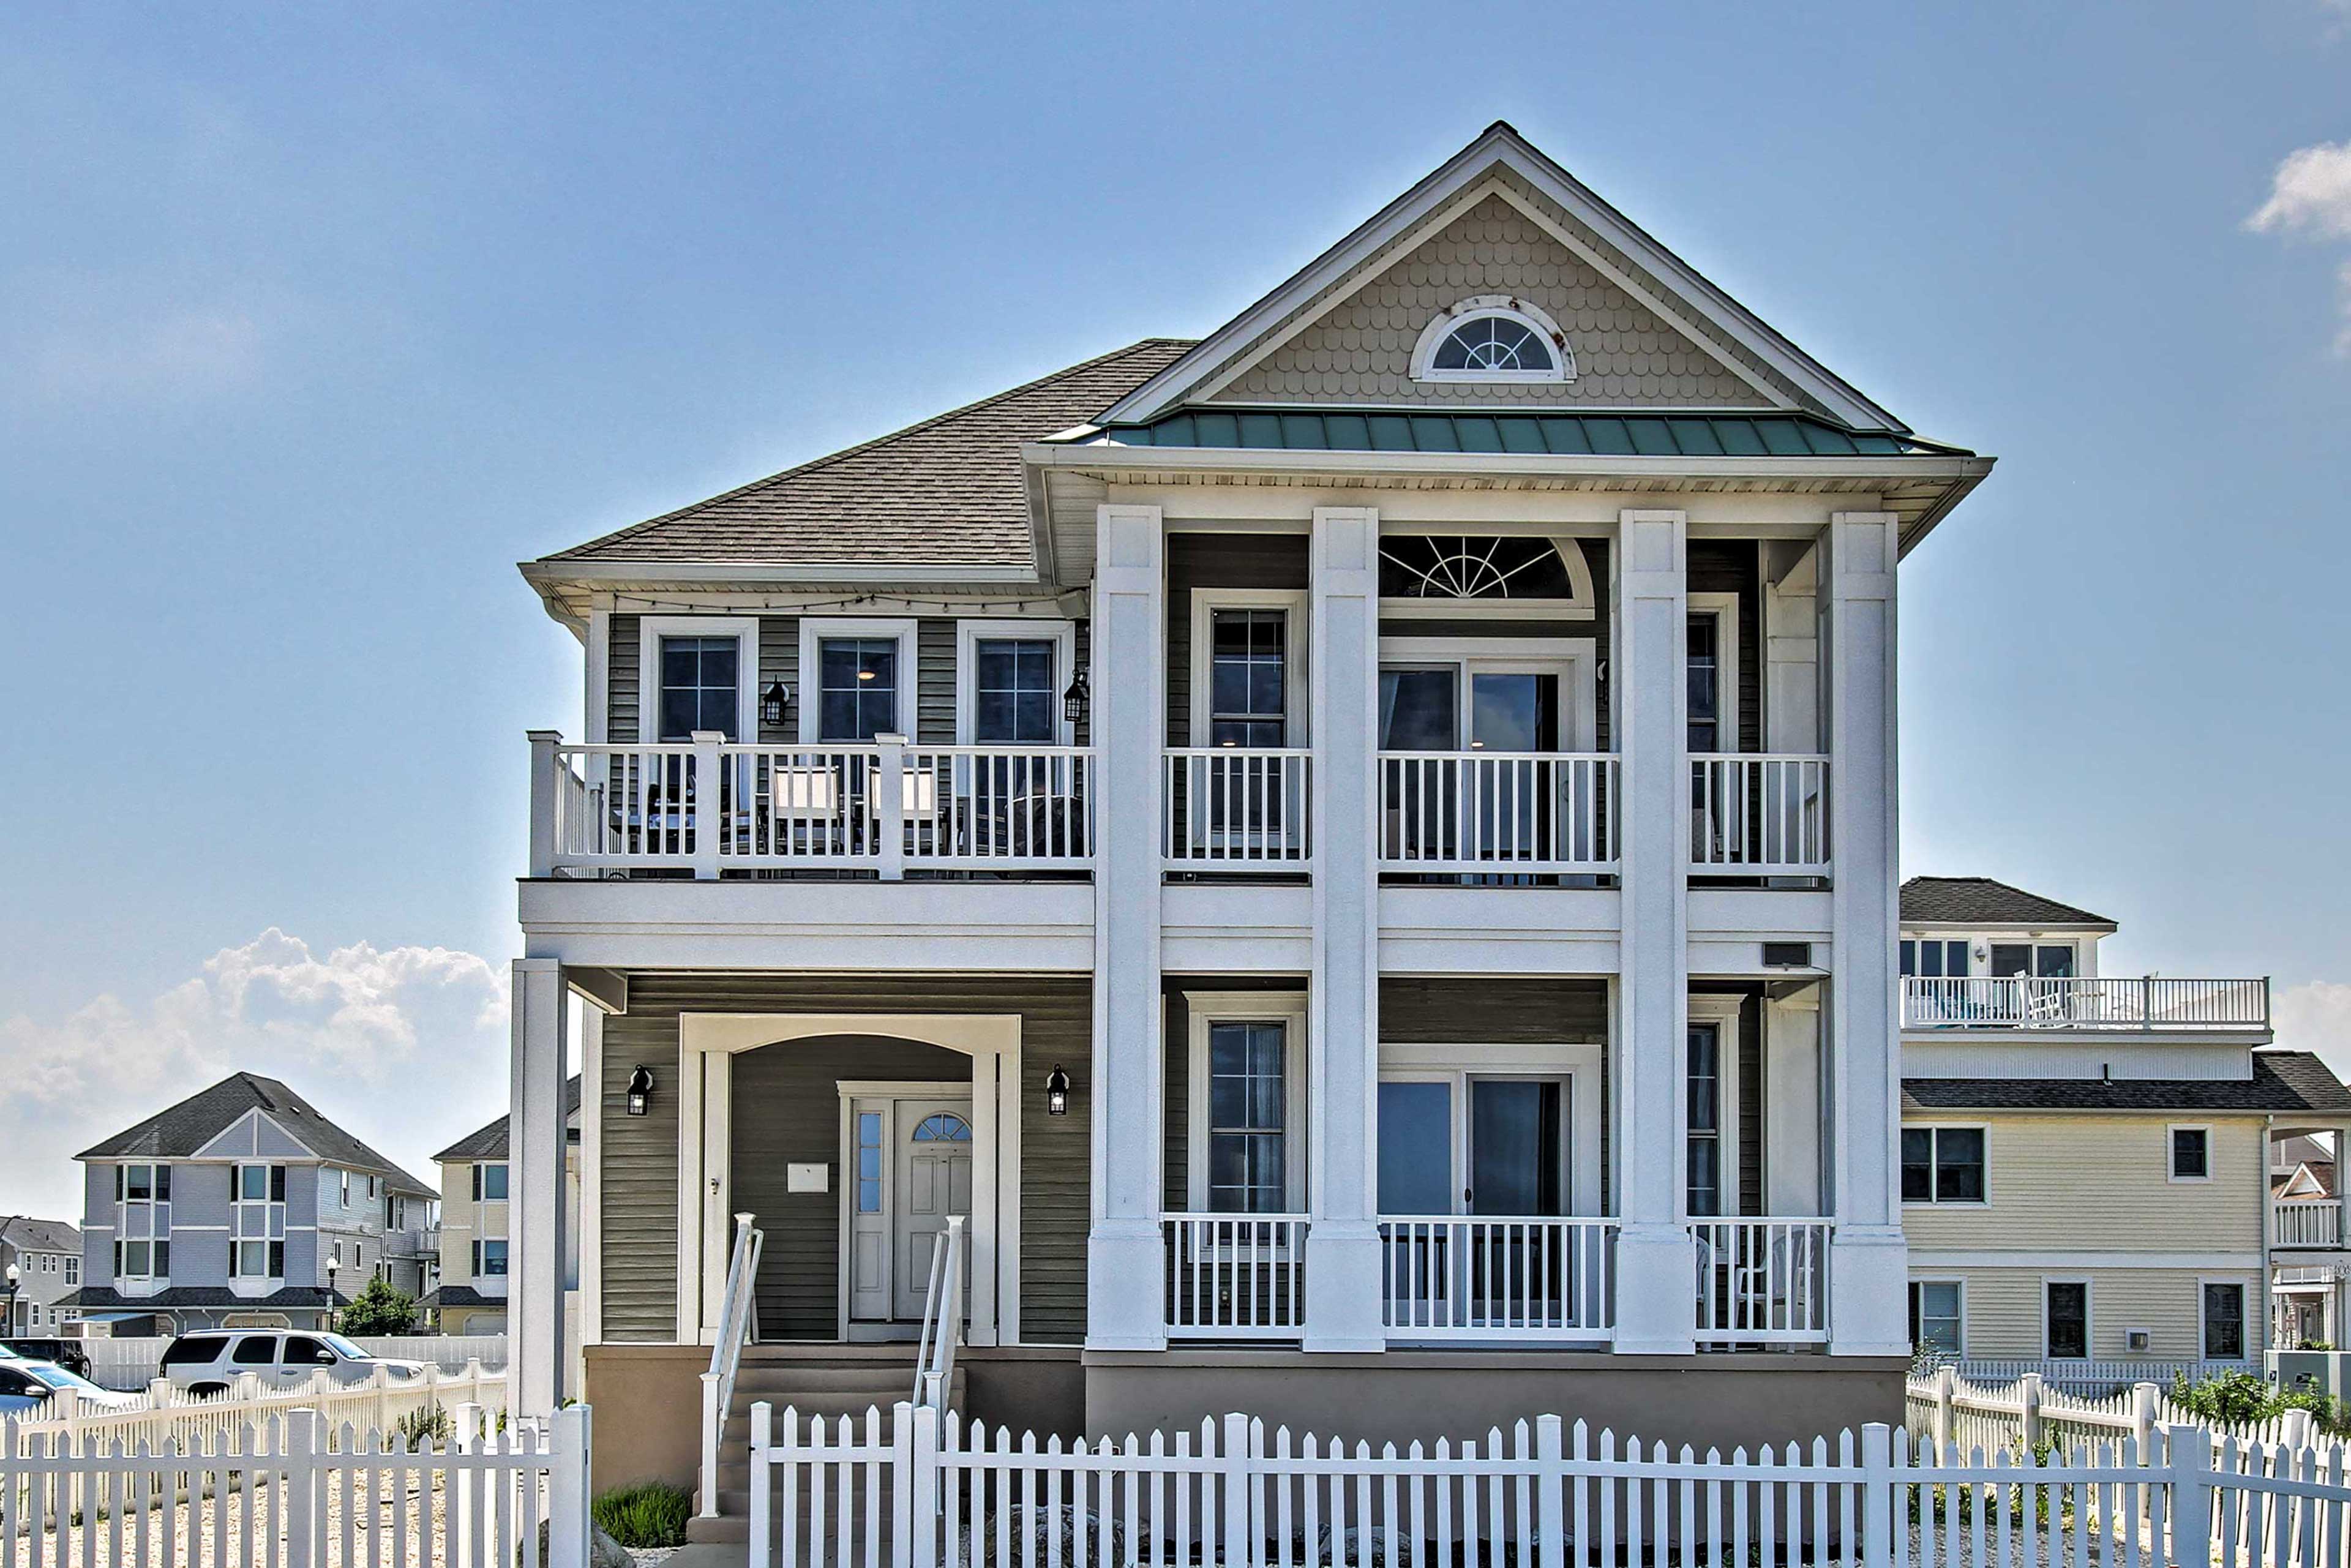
column 833, row 1383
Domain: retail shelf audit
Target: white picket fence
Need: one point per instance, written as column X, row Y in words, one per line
column 2093, row 1377
column 161, row 1413
column 1945, row 1408
column 295, row 1491
column 130, row 1363
column 924, row 1490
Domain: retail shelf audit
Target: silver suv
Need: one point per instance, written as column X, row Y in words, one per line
column 208, row 1361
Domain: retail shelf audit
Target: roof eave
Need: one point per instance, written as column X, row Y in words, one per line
column 1245, row 460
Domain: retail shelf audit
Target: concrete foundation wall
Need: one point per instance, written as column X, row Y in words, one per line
column 1406, row 1394
column 648, row 1404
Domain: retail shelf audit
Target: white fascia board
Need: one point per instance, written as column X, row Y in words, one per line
column 1497, row 465
column 545, row 575
column 1499, row 145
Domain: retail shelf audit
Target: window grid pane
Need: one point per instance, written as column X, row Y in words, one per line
column 1246, row 1118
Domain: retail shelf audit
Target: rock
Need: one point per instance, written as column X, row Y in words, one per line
column 1034, row 1522
column 604, row 1552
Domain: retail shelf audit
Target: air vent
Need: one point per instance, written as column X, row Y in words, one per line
column 1787, row 955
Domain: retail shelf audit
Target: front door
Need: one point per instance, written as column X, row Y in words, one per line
column 934, row 1182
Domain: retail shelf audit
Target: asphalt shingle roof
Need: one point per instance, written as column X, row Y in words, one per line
column 95, row 1298
column 490, row 1142
column 2284, row 1080
column 1980, row 901
column 29, row 1235
column 179, row 1130
column 949, row 491
column 457, row 1296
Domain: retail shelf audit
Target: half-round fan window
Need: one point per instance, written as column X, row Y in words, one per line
column 943, row 1128
column 1493, row 343
column 1492, row 338
column 1454, row 566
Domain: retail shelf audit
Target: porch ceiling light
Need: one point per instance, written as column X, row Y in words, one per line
column 772, row 701
column 1057, row 1092
column 1073, row 701
column 641, row 1091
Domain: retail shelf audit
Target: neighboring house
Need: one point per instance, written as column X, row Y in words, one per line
column 2086, row 1157
column 2308, row 1277
column 46, row 1256
column 1358, row 851
column 2302, row 1166
column 237, row 1207
column 471, row 1298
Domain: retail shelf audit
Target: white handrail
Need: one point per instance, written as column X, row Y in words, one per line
column 1754, row 813
column 942, row 1318
column 1761, row 1280
column 738, row 1325
column 2150, row 1002
column 1225, row 806
column 1482, row 811
column 1511, row 1277
column 1234, row 1276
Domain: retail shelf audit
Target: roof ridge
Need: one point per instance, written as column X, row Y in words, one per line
column 819, row 462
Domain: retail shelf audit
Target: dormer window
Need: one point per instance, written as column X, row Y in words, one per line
column 1493, row 338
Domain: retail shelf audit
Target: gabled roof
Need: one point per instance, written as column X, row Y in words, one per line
column 949, row 492
column 179, row 1130
column 29, row 1235
column 1980, row 901
column 2282, row 1081
column 1502, row 159
column 489, row 1143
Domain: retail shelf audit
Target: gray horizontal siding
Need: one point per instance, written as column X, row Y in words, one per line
column 1220, row 561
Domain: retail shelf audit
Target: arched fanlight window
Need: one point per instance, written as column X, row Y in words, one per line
column 1492, row 338
column 1456, row 566
column 943, row 1128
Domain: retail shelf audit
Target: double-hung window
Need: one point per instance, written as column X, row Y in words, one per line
column 1702, row 1083
column 1935, row 1316
column 142, row 1221
column 2191, row 1154
column 857, row 687
column 1704, row 673
column 257, row 1223
column 1248, row 1117
column 490, row 1260
column 490, row 1183
column 1249, row 678
column 1942, row 1164
column 2224, row 1321
column 700, row 686
column 2065, row 1318
column 1935, row 958
column 1014, row 700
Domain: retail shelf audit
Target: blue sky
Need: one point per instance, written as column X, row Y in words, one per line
column 314, row 321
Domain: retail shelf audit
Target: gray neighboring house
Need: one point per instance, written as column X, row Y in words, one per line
column 46, row 1256
column 238, row 1207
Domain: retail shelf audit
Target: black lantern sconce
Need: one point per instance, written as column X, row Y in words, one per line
column 1073, row 701
column 772, row 701
column 1057, row 1092
column 641, row 1091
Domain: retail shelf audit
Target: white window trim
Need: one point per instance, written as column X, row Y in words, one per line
column 2170, row 1157
column 2248, row 1351
column 2089, row 1315
column 1205, row 602
column 814, row 632
column 1062, row 634
column 1960, row 1282
column 1582, row 606
column 1723, row 1012
column 1456, row 1065
column 1477, row 307
column 1576, row 659
column 1285, row 1008
column 1724, row 608
column 1983, row 1127
column 744, row 629
column 882, row 1097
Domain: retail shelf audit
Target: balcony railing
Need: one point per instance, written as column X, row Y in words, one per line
column 1761, row 1282
column 1759, row 814
column 2150, row 1003
column 1232, row 808
column 1456, row 1277
column 2307, row 1221
column 1494, row 812
column 1234, row 1276
column 882, row 807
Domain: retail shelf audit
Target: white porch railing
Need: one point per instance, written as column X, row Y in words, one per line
column 2307, row 1221
column 1486, row 811
column 1234, row 1276
column 2150, row 1002
column 1228, row 807
column 738, row 1325
column 1761, row 1282
column 934, row 1357
column 1759, row 814
column 1462, row 1277
column 711, row 807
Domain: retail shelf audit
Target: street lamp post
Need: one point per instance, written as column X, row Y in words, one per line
column 8, row 1317
column 333, row 1266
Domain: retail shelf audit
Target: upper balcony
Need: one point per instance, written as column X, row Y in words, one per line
column 2150, row 1005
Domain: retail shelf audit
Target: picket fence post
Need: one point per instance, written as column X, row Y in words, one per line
column 924, row 1502
column 1877, row 1495
column 2028, row 1407
column 2142, row 1418
column 1550, row 1496
column 762, row 1475
column 1946, row 1391
column 2191, row 1496
column 305, row 1533
column 567, row 1444
column 1235, row 1452
column 2294, row 1429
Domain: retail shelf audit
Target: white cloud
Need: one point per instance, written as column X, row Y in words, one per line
column 405, row 1047
column 2310, row 195
column 2317, row 1016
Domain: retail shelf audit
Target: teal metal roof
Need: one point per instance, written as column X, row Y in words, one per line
column 1527, row 434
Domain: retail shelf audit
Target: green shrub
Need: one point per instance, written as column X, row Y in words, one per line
column 418, row 1428
column 651, row 1514
column 380, row 1308
column 2232, row 1397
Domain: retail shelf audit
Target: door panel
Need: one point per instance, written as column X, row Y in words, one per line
column 934, row 1152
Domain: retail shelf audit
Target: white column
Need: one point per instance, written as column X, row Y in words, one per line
column 1124, row 1263
column 535, row 1217
column 1342, row 663
column 1657, row 1310
column 1868, row 1264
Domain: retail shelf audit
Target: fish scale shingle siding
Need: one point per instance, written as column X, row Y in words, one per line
column 1361, row 352
column 640, row 1157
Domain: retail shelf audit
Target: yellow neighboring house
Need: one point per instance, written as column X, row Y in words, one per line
column 2085, row 1157
column 472, row 1296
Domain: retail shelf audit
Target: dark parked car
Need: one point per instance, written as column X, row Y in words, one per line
column 67, row 1352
